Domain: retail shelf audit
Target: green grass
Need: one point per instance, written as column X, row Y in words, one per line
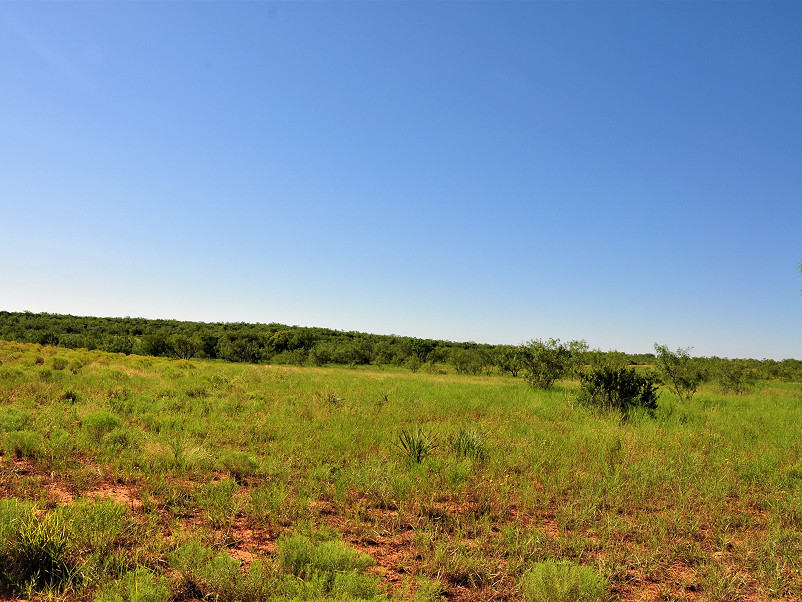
column 152, row 479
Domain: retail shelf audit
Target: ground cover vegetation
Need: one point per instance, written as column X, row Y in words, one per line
column 133, row 477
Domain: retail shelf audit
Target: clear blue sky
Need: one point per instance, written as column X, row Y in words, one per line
column 625, row 173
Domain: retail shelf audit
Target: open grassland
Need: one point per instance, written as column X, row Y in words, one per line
column 139, row 478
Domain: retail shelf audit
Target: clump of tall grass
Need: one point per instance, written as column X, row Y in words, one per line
column 326, row 569
column 468, row 444
column 38, row 553
column 139, row 585
column 239, row 464
column 202, row 574
column 329, row 396
column 13, row 419
column 100, row 423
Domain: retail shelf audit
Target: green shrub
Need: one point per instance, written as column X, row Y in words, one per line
column 413, row 363
column 13, row 419
column 551, row 581
column 100, row 423
column 545, row 362
column 619, row 389
column 58, row 363
column 23, row 444
column 679, row 370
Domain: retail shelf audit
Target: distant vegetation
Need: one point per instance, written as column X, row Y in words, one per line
column 540, row 362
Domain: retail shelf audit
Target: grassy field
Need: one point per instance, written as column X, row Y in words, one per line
column 137, row 478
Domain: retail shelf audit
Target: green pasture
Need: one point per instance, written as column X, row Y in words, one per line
column 125, row 477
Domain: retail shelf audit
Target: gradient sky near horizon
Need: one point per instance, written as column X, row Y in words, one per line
column 624, row 173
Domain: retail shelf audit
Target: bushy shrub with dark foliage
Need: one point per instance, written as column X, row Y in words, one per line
column 619, row 389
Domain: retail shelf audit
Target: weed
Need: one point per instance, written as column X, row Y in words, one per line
column 461, row 565
column 183, row 455
column 96, row 526
column 271, row 504
column 217, row 499
column 58, row 363
column 120, row 438
column 70, row 395
column 58, row 446
column 201, row 574
column 429, row 590
column 326, row 568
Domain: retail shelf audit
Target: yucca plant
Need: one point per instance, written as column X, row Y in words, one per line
column 416, row 444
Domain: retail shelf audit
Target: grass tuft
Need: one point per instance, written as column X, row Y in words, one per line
column 468, row 444
column 563, row 581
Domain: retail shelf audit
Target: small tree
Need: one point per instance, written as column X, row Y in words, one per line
column 578, row 350
column 183, row 346
column 735, row 376
column 545, row 362
column 466, row 361
column 509, row 359
column 678, row 368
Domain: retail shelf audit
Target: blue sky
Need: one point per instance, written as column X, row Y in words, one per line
column 624, row 173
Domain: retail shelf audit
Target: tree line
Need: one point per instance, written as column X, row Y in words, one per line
column 541, row 362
